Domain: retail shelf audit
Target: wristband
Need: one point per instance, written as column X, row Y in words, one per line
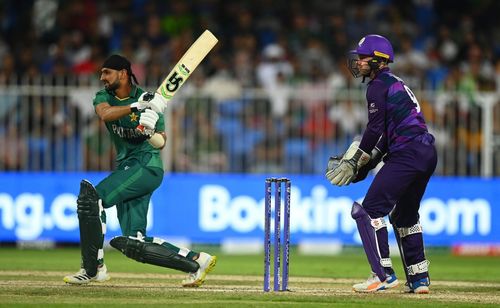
column 157, row 141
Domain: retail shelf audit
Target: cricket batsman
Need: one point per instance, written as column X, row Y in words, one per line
column 397, row 134
column 123, row 106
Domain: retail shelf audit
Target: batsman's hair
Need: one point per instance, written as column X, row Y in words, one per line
column 117, row 62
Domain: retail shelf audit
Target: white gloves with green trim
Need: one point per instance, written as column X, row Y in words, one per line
column 150, row 100
column 148, row 120
column 342, row 171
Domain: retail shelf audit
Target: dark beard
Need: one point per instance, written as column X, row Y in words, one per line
column 113, row 86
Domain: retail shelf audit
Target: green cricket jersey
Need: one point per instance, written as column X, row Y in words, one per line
column 129, row 143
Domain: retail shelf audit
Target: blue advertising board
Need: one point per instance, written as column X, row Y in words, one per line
column 210, row 208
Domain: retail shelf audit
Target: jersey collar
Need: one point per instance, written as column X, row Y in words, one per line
column 385, row 69
column 132, row 93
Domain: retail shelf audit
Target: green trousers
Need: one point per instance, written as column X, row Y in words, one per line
column 130, row 188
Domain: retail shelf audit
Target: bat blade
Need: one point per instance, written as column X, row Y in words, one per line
column 187, row 64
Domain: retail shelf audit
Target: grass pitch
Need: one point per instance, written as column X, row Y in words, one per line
column 34, row 277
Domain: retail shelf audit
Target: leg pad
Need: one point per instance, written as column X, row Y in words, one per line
column 91, row 227
column 152, row 253
column 369, row 238
column 411, row 248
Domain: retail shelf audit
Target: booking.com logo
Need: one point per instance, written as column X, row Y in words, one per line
column 319, row 213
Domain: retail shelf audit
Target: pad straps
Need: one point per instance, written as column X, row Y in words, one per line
column 421, row 267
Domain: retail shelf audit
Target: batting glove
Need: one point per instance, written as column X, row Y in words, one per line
column 143, row 102
column 158, row 103
column 148, row 119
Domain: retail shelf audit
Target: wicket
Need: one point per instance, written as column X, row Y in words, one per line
column 277, row 234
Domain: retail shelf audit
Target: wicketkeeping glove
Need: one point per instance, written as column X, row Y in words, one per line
column 375, row 159
column 334, row 162
column 344, row 171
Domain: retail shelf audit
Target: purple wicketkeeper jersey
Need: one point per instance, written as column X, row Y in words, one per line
column 394, row 116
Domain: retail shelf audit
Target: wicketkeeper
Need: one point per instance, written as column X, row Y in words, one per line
column 397, row 134
column 123, row 106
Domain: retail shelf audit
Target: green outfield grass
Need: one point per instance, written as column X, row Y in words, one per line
column 34, row 277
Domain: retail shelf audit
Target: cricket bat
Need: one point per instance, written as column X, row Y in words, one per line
column 186, row 65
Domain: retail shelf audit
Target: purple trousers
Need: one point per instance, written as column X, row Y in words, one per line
column 402, row 182
column 400, row 185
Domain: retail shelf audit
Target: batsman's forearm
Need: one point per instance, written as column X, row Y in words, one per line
column 111, row 113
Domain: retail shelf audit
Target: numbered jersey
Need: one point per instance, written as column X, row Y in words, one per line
column 393, row 113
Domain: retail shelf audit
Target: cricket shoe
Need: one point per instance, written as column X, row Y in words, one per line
column 81, row 276
column 196, row 279
column 420, row 286
column 373, row 284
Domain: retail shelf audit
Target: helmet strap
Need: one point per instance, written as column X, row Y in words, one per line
column 374, row 64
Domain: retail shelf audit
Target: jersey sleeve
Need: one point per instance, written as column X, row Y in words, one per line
column 382, row 144
column 376, row 95
column 100, row 97
column 160, row 124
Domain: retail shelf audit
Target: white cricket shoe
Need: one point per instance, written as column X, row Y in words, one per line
column 81, row 276
column 373, row 284
column 196, row 279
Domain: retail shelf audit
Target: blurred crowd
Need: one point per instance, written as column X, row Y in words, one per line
column 292, row 51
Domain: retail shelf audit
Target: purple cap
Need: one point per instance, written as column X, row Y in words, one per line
column 376, row 46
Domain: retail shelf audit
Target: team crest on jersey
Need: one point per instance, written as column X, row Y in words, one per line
column 133, row 117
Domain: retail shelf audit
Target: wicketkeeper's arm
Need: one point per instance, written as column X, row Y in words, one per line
column 376, row 156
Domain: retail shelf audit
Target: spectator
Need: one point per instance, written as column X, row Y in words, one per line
column 13, row 150
column 349, row 116
column 412, row 63
column 272, row 74
column 98, row 149
column 207, row 148
column 283, row 48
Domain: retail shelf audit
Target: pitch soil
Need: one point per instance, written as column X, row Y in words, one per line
column 449, row 291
